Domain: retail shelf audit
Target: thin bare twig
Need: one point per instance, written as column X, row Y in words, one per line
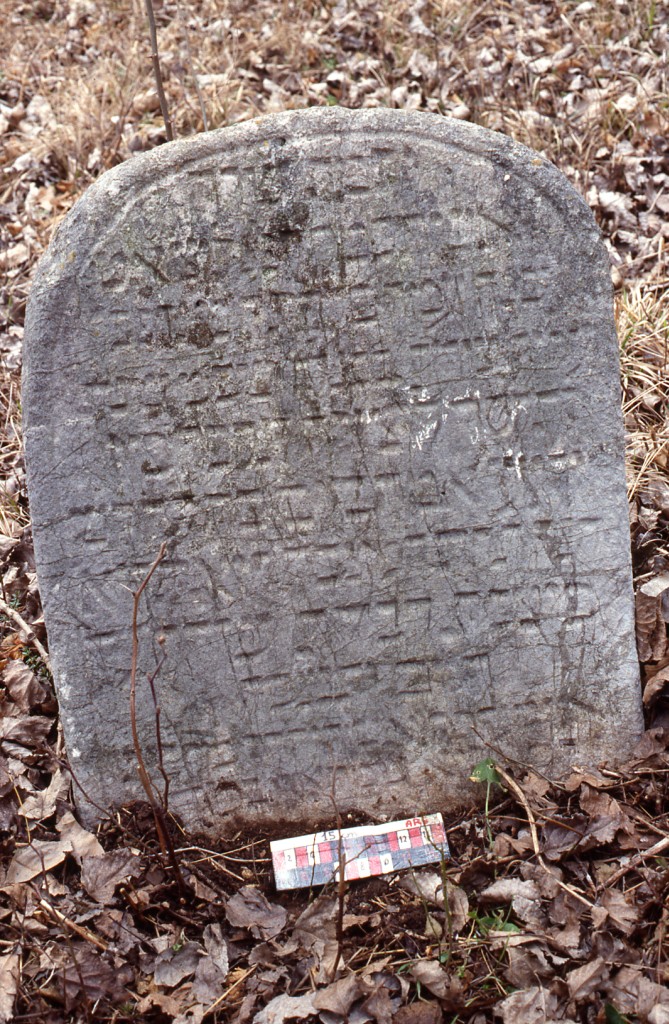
column 157, row 73
column 27, row 631
column 229, row 990
column 72, row 926
column 517, row 791
column 151, row 679
column 636, row 860
column 159, row 813
column 341, row 877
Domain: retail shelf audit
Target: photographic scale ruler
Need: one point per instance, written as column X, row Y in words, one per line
column 364, row 850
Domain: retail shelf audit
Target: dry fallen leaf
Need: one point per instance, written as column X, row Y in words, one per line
column 88, row 977
column 560, row 838
column 579, row 775
column 176, row 963
column 616, row 908
column 505, row 890
column 42, row 804
column 385, row 997
column 101, row 875
column 24, row 730
column 212, row 969
column 619, row 206
column 651, row 631
column 286, row 1008
column 118, row 926
column 10, row 972
column 588, row 978
column 524, row 896
column 439, row 982
column 655, row 685
column 14, row 256
column 24, row 687
column 527, row 964
column 607, row 817
column 172, row 1004
column 82, row 843
column 35, row 859
column 250, row 909
column 426, row 884
column 632, row 992
column 315, row 931
column 429, row 886
column 208, row 982
column 655, row 586
column 339, row 996
column 535, row 1005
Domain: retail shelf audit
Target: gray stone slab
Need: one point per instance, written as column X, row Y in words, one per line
column 359, row 369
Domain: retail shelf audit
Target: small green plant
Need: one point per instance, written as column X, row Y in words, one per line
column 128, row 1009
column 650, row 17
column 496, row 921
column 34, row 661
column 485, row 771
column 612, row 1016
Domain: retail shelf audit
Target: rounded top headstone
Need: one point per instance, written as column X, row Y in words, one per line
column 358, row 369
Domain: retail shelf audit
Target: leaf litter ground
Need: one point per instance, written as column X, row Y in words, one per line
column 553, row 906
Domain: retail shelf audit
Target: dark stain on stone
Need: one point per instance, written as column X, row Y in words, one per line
column 286, row 226
column 226, row 784
column 199, row 334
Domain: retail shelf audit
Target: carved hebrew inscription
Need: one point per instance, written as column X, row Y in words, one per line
column 359, row 370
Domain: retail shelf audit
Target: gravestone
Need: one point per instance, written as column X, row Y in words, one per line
column 359, row 371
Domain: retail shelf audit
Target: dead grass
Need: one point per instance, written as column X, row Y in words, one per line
column 14, row 516
column 643, row 330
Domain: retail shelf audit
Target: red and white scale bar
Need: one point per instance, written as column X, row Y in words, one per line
column 365, row 850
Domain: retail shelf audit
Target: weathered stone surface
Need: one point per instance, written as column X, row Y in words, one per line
column 359, row 370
